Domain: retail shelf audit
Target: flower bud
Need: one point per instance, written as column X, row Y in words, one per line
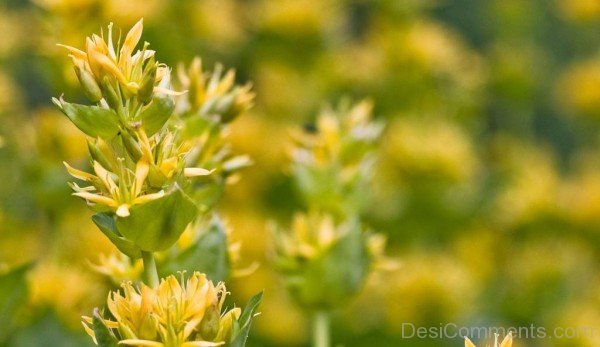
column 209, row 326
column 148, row 328
column 148, row 79
column 97, row 154
column 88, row 83
column 110, row 94
column 225, row 104
column 133, row 148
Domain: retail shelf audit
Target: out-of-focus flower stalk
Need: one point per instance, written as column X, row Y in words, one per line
column 327, row 253
column 321, row 336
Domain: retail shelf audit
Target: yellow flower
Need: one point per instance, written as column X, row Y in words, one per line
column 325, row 262
column 174, row 314
column 119, row 196
column 333, row 162
column 102, row 59
column 214, row 94
column 119, row 184
column 314, row 234
column 118, row 267
column 117, row 77
column 311, row 236
column 338, row 134
column 507, row 342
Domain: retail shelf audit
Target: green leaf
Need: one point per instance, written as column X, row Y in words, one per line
column 13, row 293
column 207, row 194
column 104, row 336
column 239, row 339
column 157, row 113
column 156, row 225
column 106, row 223
column 197, row 125
column 92, row 120
column 208, row 255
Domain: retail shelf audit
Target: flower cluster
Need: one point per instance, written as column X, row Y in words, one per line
column 211, row 103
column 327, row 253
column 177, row 313
column 325, row 263
column 136, row 158
column 332, row 161
column 213, row 94
column 507, row 342
column 147, row 146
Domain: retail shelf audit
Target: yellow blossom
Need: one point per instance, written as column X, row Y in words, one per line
column 214, row 93
column 507, row 342
column 119, row 196
column 117, row 64
column 118, row 267
column 174, row 314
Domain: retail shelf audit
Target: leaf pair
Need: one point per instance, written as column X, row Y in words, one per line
column 101, row 122
column 333, row 277
column 208, row 255
column 152, row 226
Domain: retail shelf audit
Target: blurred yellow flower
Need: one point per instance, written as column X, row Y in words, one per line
column 579, row 195
column 118, row 267
column 323, row 262
column 213, row 93
column 532, row 183
column 432, row 147
column 579, row 10
column 578, row 89
column 296, row 18
column 78, row 291
column 333, row 162
column 430, row 286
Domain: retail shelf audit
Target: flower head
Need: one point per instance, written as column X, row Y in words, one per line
column 333, row 161
column 507, row 342
column 174, row 314
column 140, row 160
column 213, row 94
column 105, row 68
column 325, row 262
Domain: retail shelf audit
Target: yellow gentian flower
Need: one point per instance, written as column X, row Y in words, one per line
column 507, row 342
column 174, row 314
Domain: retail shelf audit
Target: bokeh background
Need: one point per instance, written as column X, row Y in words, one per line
column 488, row 183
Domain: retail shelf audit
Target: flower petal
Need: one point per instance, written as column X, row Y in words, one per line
column 95, row 198
column 123, row 211
column 132, row 39
column 141, row 343
column 196, row 171
column 82, row 175
column 148, row 197
column 507, row 342
column 468, row 343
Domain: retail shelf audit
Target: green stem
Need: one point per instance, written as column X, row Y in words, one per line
column 150, row 272
column 321, row 336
